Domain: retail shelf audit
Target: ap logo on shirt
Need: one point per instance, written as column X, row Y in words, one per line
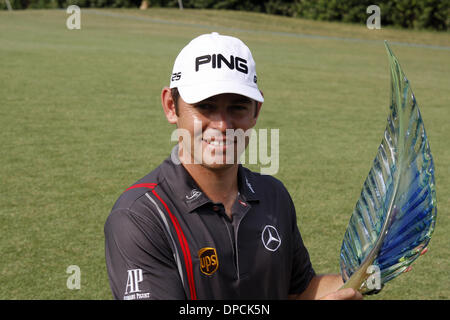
column 134, row 277
column 132, row 291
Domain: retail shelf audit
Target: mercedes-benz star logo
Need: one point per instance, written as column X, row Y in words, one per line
column 270, row 238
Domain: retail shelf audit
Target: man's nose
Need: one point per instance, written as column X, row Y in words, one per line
column 221, row 121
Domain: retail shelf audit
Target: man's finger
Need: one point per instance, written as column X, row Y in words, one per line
column 344, row 294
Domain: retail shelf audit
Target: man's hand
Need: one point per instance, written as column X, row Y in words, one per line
column 344, row 294
column 327, row 287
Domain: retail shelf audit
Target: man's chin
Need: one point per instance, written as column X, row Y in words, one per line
column 218, row 166
column 213, row 162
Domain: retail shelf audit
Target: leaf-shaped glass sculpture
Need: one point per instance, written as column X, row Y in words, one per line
column 395, row 215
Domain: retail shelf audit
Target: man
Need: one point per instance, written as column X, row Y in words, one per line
column 201, row 226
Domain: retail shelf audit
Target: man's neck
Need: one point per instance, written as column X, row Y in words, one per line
column 220, row 185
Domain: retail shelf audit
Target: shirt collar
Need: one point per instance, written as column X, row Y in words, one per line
column 247, row 186
column 188, row 192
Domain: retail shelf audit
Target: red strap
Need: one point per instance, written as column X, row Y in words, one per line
column 142, row 185
column 181, row 238
column 184, row 248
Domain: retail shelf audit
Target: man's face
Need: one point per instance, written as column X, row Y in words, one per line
column 216, row 126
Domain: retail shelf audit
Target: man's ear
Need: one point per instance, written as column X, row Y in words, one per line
column 258, row 106
column 168, row 105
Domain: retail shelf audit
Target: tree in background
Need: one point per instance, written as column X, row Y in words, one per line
column 412, row 14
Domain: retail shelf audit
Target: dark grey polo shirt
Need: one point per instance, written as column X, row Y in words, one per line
column 165, row 239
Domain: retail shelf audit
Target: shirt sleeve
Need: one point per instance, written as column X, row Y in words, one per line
column 302, row 270
column 139, row 260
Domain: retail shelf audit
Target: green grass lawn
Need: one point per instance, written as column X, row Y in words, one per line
column 81, row 120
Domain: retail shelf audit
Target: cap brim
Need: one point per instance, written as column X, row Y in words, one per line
column 197, row 93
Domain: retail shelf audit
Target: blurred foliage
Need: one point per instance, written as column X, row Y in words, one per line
column 411, row 14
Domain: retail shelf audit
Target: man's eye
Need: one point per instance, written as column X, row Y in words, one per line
column 238, row 108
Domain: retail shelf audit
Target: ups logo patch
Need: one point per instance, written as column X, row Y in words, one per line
column 209, row 262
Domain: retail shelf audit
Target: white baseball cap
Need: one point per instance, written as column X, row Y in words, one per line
column 212, row 64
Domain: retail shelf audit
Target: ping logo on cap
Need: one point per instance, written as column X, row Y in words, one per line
column 209, row 262
column 216, row 61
